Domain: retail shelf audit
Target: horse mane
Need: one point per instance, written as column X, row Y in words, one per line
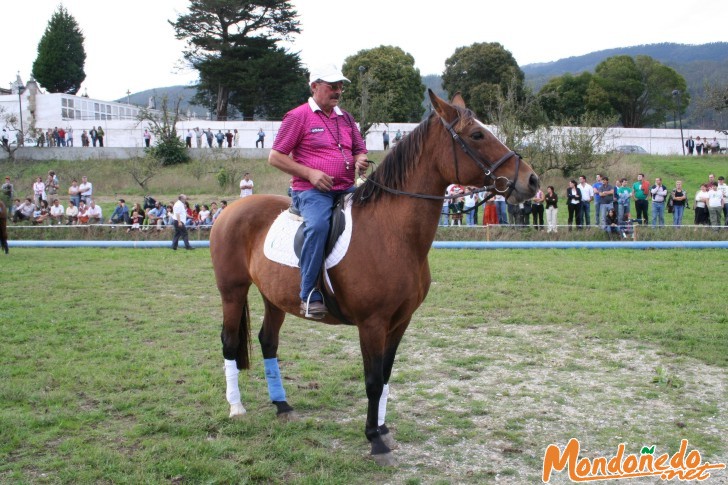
column 399, row 163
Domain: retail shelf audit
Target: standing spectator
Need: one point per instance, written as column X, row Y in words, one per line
column 659, row 194
column 398, row 137
column 490, row 214
column 246, row 186
column 50, row 138
column 41, row 139
column 69, row 136
column 445, row 211
column 188, row 138
column 52, row 183
column 261, row 139
column 74, row 192
column 537, row 209
column 229, row 138
column 587, row 195
column 120, row 214
column 723, row 188
column 606, row 198
column 385, row 139
column 84, row 139
column 573, row 197
column 147, row 138
column 209, row 136
column 180, row 223
column 71, row 213
column 471, row 216
column 456, row 205
column 624, row 198
column 501, row 208
column 61, row 137
column 552, row 209
column 679, row 199
column 198, row 137
column 6, row 138
column 690, row 144
column 86, row 189
column 701, row 205
column 220, row 137
column 100, row 136
column 715, row 205
column 56, row 212
column 639, row 191
column 94, row 136
column 93, row 213
column 39, row 190
column 714, row 146
column 699, row 145
column 7, row 192
column 597, row 200
column 236, row 138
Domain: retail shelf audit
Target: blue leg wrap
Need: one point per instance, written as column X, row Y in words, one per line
column 273, row 377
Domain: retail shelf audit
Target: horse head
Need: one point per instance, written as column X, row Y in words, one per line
column 477, row 157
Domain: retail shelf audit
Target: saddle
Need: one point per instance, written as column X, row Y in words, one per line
column 336, row 229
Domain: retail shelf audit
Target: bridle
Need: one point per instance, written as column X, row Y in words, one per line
column 486, row 166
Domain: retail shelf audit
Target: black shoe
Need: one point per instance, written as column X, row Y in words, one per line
column 316, row 309
column 174, row 249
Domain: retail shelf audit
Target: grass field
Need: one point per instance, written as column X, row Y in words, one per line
column 111, row 370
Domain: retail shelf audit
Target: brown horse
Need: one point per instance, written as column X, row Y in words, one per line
column 384, row 276
column 4, row 226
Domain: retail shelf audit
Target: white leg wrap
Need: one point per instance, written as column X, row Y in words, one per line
column 232, row 392
column 383, row 405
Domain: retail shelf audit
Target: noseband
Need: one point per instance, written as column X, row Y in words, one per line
column 487, row 167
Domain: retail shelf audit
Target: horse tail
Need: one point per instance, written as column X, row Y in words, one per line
column 4, row 227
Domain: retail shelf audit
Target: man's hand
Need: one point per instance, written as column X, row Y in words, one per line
column 321, row 180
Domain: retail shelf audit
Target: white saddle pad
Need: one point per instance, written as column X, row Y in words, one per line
column 278, row 245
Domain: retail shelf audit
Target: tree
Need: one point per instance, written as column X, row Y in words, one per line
column 480, row 73
column 385, row 87
column 168, row 148
column 640, row 89
column 223, row 35
column 61, row 56
column 567, row 98
column 142, row 169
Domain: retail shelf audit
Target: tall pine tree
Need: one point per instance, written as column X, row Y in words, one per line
column 61, row 56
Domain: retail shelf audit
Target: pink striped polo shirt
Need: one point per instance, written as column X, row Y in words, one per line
column 324, row 143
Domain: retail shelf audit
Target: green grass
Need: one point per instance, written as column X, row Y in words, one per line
column 111, row 370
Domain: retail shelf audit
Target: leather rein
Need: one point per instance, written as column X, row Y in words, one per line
column 486, row 166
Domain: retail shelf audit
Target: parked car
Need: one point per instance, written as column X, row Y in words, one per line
column 629, row 149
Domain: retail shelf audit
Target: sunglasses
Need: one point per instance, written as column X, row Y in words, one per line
column 334, row 87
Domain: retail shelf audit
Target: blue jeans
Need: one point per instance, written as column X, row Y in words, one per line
column 622, row 209
column 597, row 211
column 585, row 207
column 658, row 214
column 501, row 209
column 677, row 214
column 470, row 217
column 444, row 216
column 603, row 209
column 315, row 207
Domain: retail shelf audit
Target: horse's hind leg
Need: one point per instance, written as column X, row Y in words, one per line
column 235, row 338
column 268, row 338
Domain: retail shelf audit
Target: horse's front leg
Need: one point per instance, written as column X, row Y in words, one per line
column 372, row 339
column 269, row 338
column 393, row 340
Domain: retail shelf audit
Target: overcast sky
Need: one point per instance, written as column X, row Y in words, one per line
column 131, row 46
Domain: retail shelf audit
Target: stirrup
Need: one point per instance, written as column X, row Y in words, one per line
column 308, row 304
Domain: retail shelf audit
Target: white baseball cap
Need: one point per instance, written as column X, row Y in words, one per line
column 328, row 73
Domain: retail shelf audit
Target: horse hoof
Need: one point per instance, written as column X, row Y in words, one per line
column 237, row 411
column 287, row 417
column 389, row 440
column 384, row 459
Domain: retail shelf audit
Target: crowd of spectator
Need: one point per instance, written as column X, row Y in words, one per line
column 45, row 206
column 616, row 207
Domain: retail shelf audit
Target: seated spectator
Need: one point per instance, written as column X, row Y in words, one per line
column 93, row 213
column 611, row 222
column 205, row 216
column 56, row 212
column 192, row 216
column 15, row 207
column 82, row 213
column 136, row 221
column 216, row 214
column 120, row 214
column 71, row 213
column 138, row 208
column 24, row 212
column 156, row 215
column 169, row 216
column 41, row 213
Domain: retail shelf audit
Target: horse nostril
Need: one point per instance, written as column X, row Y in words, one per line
column 533, row 182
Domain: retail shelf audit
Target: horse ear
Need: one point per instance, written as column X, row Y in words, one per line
column 442, row 107
column 458, row 100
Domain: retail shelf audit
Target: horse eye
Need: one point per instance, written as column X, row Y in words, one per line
column 478, row 135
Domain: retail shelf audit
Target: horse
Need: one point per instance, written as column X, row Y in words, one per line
column 384, row 276
column 4, row 227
